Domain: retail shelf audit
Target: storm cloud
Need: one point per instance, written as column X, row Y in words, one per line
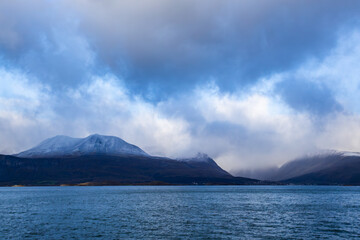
column 252, row 84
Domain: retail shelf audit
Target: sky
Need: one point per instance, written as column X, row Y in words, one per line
column 251, row 83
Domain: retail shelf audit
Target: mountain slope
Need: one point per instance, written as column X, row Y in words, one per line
column 335, row 168
column 60, row 146
column 331, row 168
column 339, row 170
column 306, row 165
column 111, row 170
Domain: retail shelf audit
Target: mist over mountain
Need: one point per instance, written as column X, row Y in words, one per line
column 326, row 168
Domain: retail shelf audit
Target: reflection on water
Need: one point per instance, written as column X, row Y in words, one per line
column 189, row 212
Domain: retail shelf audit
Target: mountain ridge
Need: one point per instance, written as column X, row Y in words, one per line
column 107, row 160
column 112, row 170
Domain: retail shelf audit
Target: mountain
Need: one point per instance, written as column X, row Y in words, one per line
column 93, row 144
column 335, row 168
column 105, row 160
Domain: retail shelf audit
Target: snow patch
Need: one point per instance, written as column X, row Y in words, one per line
column 200, row 157
column 351, row 154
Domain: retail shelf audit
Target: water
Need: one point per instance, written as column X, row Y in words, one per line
column 175, row 212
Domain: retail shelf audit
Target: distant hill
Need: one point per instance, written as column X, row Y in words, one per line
column 105, row 160
column 335, row 168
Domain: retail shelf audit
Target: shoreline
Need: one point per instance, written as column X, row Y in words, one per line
column 179, row 185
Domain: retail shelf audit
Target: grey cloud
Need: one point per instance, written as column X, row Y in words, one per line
column 162, row 47
column 304, row 95
column 169, row 46
column 159, row 54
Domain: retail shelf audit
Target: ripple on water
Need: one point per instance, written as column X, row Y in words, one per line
column 182, row 212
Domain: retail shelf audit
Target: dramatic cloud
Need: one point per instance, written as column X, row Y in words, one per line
column 253, row 84
column 168, row 46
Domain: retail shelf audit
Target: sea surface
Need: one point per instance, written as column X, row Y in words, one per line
column 180, row 212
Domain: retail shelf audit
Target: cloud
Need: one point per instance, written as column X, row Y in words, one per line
column 22, row 108
column 304, row 95
column 169, row 46
column 29, row 113
column 48, row 46
column 339, row 70
column 250, row 128
column 251, row 84
column 112, row 110
column 162, row 48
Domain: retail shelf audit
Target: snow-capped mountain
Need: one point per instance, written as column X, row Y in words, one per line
column 93, row 144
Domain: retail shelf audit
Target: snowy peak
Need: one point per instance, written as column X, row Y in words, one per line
column 200, row 157
column 99, row 144
column 350, row 154
column 91, row 145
